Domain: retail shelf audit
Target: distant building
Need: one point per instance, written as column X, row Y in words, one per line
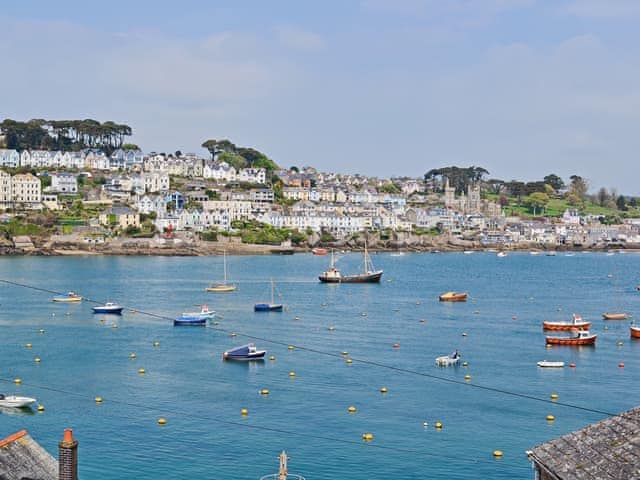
column 63, row 183
column 6, row 196
column 26, row 190
column 9, row 158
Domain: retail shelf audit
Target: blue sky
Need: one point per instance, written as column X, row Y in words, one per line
column 523, row 88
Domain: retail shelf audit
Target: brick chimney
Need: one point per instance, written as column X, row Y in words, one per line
column 68, row 457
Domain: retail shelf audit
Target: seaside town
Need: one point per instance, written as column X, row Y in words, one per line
column 120, row 199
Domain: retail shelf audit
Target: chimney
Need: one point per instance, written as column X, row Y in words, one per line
column 68, row 457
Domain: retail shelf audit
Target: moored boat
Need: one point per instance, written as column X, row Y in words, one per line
column 70, row 297
column 453, row 297
column 319, row 251
column 579, row 337
column 614, row 316
column 501, row 254
column 448, row 360
column 577, row 322
column 14, row 401
column 369, row 274
column 108, row 307
column 224, row 286
column 550, row 364
column 269, row 306
column 205, row 312
column 634, row 331
column 184, row 320
column 244, row 352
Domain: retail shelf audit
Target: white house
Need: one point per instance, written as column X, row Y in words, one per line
column 63, row 183
column 152, row 203
column 6, row 196
column 9, row 158
column 252, row 175
column 26, row 190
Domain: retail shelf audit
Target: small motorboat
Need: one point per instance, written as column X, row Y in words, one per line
column 14, row 401
column 448, row 360
column 68, row 298
column 634, row 331
column 108, row 307
column 614, row 316
column 185, row 320
column 319, row 251
column 453, row 297
column 501, row 254
column 577, row 322
column 550, row 364
column 245, row 352
column 579, row 337
column 204, row 312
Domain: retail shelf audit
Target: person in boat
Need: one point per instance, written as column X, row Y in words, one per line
column 455, row 354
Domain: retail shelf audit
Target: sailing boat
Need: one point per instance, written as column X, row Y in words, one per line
column 224, row 286
column 369, row 275
column 268, row 307
column 618, row 315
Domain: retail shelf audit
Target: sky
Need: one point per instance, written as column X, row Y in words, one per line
column 523, row 88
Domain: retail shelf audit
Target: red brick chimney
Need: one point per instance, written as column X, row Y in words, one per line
column 68, row 457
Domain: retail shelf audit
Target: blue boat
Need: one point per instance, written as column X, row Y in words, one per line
column 190, row 321
column 245, row 352
column 108, row 307
column 268, row 307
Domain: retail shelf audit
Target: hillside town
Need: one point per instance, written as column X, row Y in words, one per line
column 160, row 198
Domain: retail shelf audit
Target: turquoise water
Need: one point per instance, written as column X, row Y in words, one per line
column 201, row 396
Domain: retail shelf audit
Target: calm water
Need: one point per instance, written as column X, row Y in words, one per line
column 201, row 397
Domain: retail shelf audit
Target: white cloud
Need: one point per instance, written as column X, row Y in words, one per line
column 299, row 39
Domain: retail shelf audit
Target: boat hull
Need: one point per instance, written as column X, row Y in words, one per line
column 635, row 332
column 190, row 321
column 12, row 401
column 244, row 353
column 614, row 316
column 453, row 297
column 549, row 364
column 373, row 277
column 67, row 299
column 590, row 340
column 113, row 310
column 267, row 307
column 221, row 288
column 565, row 326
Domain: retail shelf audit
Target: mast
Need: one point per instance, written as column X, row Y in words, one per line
column 224, row 261
column 272, row 287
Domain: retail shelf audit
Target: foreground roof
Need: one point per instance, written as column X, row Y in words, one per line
column 609, row 449
column 22, row 458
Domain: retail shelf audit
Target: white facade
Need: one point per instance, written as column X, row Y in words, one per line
column 63, row 183
column 252, row 175
column 9, row 158
column 5, row 190
column 26, row 190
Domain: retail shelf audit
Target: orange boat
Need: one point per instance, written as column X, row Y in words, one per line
column 319, row 251
column 614, row 316
column 576, row 323
column 453, row 297
column 579, row 337
column 635, row 331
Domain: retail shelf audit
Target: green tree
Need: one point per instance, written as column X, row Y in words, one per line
column 537, row 200
column 621, row 203
column 602, row 196
column 579, row 186
column 555, row 181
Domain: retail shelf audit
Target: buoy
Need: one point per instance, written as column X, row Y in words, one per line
column 234, row 334
column 467, row 377
column 352, row 409
column 550, row 418
column 37, row 359
column 42, row 330
column 216, row 323
column 606, row 328
column 554, row 396
column 141, row 371
column 549, row 345
column 115, row 325
column 515, row 317
column 17, row 380
column 396, row 345
column 349, row 361
column 476, row 312
column 297, row 318
column 621, row 365
column 28, row 345
column 132, row 311
column 324, row 304
column 132, row 356
column 331, row 329
column 264, row 391
column 292, row 374
column 464, row 334
column 367, row 437
column 244, row 412
column 438, row 425
column 156, row 344
column 345, row 353
column 465, row 364
column 572, row 365
column 290, row 347
column 422, row 320
column 418, row 302
column 425, row 424
column 620, row 344
column 272, row 357
column 98, row 399
column 383, row 389
column 162, row 421
column 41, row 408
column 497, row 453
column 102, row 320
column 363, row 314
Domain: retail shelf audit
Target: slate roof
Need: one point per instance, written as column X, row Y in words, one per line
column 22, row 458
column 609, row 449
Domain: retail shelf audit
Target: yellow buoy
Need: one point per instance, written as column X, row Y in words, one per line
column 363, row 314
column 465, row 364
column 383, row 389
column 142, row 371
column 550, row 418
column 98, row 399
column 28, row 345
column 497, row 453
column 438, row 425
column 115, row 325
column 132, row 356
column 352, row 409
column 41, row 408
column 349, row 361
column 244, row 412
column 620, row 344
column 367, row 437
column 292, row 374
column 290, row 347
column 234, row 334
column 42, row 330
column 37, row 359
column 464, row 334
column 345, row 353
column 272, row 357
column 297, row 318
column 467, row 377
column 554, row 396
column 264, row 391
column 17, row 380
column 162, row 421
column 156, row 344
column 331, row 329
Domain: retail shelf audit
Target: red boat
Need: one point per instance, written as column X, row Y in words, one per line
column 579, row 337
column 635, row 331
column 319, row 251
column 576, row 323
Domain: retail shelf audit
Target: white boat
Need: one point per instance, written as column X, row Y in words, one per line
column 501, row 254
column 14, row 401
column 534, row 252
column 204, row 312
column 108, row 307
column 224, row 286
column 448, row 360
column 70, row 297
column 550, row 364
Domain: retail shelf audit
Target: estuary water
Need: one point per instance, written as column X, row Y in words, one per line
column 498, row 332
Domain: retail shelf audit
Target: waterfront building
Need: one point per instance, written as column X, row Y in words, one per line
column 9, row 158
column 152, row 203
column 121, row 217
column 6, row 196
column 26, row 191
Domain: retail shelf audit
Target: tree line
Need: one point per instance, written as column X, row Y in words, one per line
column 238, row 157
column 65, row 135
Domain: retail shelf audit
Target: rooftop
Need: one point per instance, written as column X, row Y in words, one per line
column 21, row 457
